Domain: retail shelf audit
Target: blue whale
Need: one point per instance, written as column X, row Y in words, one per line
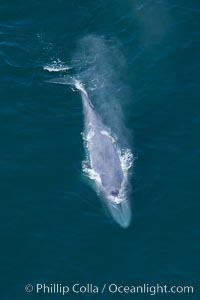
column 104, row 158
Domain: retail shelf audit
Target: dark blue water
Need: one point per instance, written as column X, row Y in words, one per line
column 139, row 61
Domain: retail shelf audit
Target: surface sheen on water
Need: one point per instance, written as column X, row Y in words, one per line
column 53, row 226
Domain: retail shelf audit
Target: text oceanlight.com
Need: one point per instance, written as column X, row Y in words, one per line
column 112, row 288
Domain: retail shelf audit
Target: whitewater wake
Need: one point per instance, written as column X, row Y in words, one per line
column 56, row 66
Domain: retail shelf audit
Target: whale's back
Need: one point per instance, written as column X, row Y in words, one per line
column 105, row 161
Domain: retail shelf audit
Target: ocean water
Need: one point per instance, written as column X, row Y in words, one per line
column 139, row 62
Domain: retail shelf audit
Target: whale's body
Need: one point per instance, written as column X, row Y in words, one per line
column 104, row 157
column 105, row 161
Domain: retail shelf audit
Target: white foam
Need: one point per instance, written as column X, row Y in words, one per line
column 90, row 135
column 78, row 84
column 126, row 159
column 106, row 133
column 91, row 173
column 56, row 66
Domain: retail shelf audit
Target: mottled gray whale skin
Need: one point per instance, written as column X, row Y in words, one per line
column 105, row 161
column 103, row 155
column 104, row 158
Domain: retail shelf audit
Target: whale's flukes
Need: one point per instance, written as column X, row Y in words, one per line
column 68, row 80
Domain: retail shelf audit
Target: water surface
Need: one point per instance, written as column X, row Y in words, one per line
column 53, row 226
